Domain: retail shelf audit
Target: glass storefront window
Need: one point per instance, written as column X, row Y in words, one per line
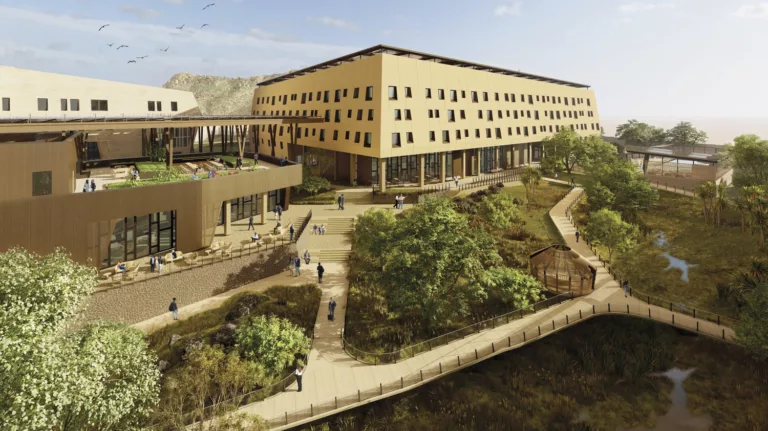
column 139, row 236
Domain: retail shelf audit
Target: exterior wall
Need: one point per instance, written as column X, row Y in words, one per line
column 82, row 223
column 384, row 70
column 24, row 87
column 22, row 159
column 360, row 74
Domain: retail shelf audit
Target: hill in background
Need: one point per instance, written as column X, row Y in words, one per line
column 218, row 95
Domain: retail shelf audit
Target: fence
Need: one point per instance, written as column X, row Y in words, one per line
column 647, row 298
column 674, row 188
column 517, row 339
column 478, row 181
column 476, row 328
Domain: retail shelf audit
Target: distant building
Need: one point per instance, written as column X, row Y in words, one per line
column 395, row 116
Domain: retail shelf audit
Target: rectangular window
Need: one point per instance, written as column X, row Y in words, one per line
column 489, row 115
column 525, row 130
column 431, row 136
column 409, row 137
column 174, row 106
column 512, row 97
column 462, row 115
column 528, row 114
column 392, row 92
column 507, row 113
column 446, row 137
column 359, row 115
column 463, row 94
column 497, row 97
column 346, row 135
column 466, row 133
column 407, row 114
column 355, row 95
column 310, row 96
column 509, row 131
column 63, row 104
column 451, row 115
column 515, row 114
column 281, row 131
column 285, row 99
column 368, row 139
column 326, row 96
column 458, row 134
column 506, row 97
column 303, row 98
column 437, row 113
column 345, row 92
column 369, row 93
column 335, row 135
column 42, row 104
column 42, row 183
column 6, row 103
column 537, row 98
column 327, row 115
column 485, row 96
column 573, row 100
column 517, row 129
column 338, row 116
column 480, row 114
column 453, row 96
column 530, row 99
column 349, row 113
column 408, row 92
column 151, row 106
column 487, row 133
column 550, row 128
column 477, row 133
column 74, row 104
column 441, row 94
column 430, row 113
column 396, row 140
column 536, row 115
column 589, row 103
column 357, row 137
column 322, row 135
column 474, row 97
column 370, row 115
column 398, row 115
column 534, row 129
column 498, row 133
column 429, row 93
column 99, row 105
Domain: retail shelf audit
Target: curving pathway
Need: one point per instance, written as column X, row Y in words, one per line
column 334, row 382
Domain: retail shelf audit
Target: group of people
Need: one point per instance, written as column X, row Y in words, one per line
column 318, row 230
column 399, row 201
column 278, row 210
column 89, row 186
column 156, row 262
column 294, row 266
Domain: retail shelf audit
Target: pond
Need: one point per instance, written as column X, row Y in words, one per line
column 662, row 242
column 678, row 418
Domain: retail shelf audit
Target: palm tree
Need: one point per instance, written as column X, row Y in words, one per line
column 743, row 207
column 707, row 192
column 530, row 179
column 752, row 196
column 760, row 218
column 721, row 202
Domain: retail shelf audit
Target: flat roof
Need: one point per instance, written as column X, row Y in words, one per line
column 58, row 124
column 386, row 49
column 678, row 152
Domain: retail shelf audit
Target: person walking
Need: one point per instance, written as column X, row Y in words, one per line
column 314, row 229
column 274, row 210
column 306, row 257
column 250, row 223
column 573, row 182
column 256, row 158
column 160, row 265
column 320, row 272
column 93, row 185
column 298, row 266
column 86, row 186
column 397, row 201
column 456, row 180
column 174, row 309
column 625, row 284
column 279, row 212
column 152, row 263
column 291, row 230
column 578, row 234
column 331, row 309
column 299, row 372
column 340, row 201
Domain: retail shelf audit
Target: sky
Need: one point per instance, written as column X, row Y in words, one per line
column 669, row 58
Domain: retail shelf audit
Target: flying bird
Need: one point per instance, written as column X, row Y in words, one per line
column 165, row 50
column 181, row 28
column 110, row 44
column 131, row 61
column 103, row 26
column 142, row 58
column 206, row 7
column 204, row 25
column 122, row 46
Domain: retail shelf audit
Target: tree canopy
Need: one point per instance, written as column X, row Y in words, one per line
column 752, row 328
column 531, row 177
column 513, row 287
column 641, row 134
column 748, row 155
column 620, row 187
column 273, row 341
column 607, row 228
column 685, row 135
column 499, row 210
column 312, row 184
column 560, row 149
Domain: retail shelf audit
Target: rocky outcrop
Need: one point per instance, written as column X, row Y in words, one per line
column 219, row 95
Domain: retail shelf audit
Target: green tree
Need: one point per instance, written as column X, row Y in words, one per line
column 312, row 184
column 631, row 191
column 748, row 155
column 607, row 228
column 531, row 177
column 599, row 197
column 272, row 341
column 708, row 193
column 513, row 287
column 685, row 135
column 752, row 328
column 499, row 210
column 373, row 231
column 561, row 148
column 634, row 132
column 592, row 151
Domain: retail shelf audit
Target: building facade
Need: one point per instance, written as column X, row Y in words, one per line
column 394, row 116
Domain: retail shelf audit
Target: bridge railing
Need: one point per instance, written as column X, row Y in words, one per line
column 376, row 358
column 449, row 364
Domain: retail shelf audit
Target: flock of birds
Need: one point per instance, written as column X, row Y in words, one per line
column 181, row 28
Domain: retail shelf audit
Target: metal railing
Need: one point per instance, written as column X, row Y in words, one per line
column 675, row 189
column 508, row 342
column 475, row 328
column 505, row 176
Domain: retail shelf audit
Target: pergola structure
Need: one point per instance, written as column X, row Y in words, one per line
column 561, row 270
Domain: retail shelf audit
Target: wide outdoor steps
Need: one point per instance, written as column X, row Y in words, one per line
column 331, row 255
column 335, row 226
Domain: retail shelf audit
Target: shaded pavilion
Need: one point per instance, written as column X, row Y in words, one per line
column 562, row 270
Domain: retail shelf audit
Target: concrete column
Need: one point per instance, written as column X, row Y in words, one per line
column 442, row 167
column 227, row 218
column 528, row 155
column 496, row 163
column 477, row 161
column 463, row 163
column 352, row 168
column 382, row 174
column 422, row 159
column 287, row 203
column 335, row 165
column 264, row 209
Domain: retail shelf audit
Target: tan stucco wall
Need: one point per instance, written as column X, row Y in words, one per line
column 24, row 87
column 22, row 159
column 384, row 70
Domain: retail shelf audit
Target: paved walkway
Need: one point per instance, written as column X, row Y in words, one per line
column 334, row 382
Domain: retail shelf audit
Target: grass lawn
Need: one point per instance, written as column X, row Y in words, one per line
column 147, row 167
column 536, row 216
column 324, row 198
column 597, row 370
column 719, row 252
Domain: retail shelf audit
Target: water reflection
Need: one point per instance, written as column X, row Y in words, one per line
column 678, row 418
column 679, row 264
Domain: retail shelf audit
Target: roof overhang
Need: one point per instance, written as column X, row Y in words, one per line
column 42, row 125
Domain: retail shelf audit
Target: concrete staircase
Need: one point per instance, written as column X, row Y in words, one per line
column 336, row 225
column 331, row 255
column 335, row 245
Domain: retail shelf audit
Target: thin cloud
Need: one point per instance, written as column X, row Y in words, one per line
column 138, row 12
column 265, row 35
column 386, row 32
column 174, row 1
column 510, row 9
column 638, row 6
column 759, row 10
column 334, row 22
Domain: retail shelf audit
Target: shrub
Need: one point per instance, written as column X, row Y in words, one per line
column 271, row 341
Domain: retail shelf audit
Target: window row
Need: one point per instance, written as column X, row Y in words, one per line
column 367, row 136
column 158, row 106
column 325, row 96
column 552, row 115
column 453, row 96
column 490, row 133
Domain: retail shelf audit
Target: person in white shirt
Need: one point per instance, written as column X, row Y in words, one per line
column 299, row 371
